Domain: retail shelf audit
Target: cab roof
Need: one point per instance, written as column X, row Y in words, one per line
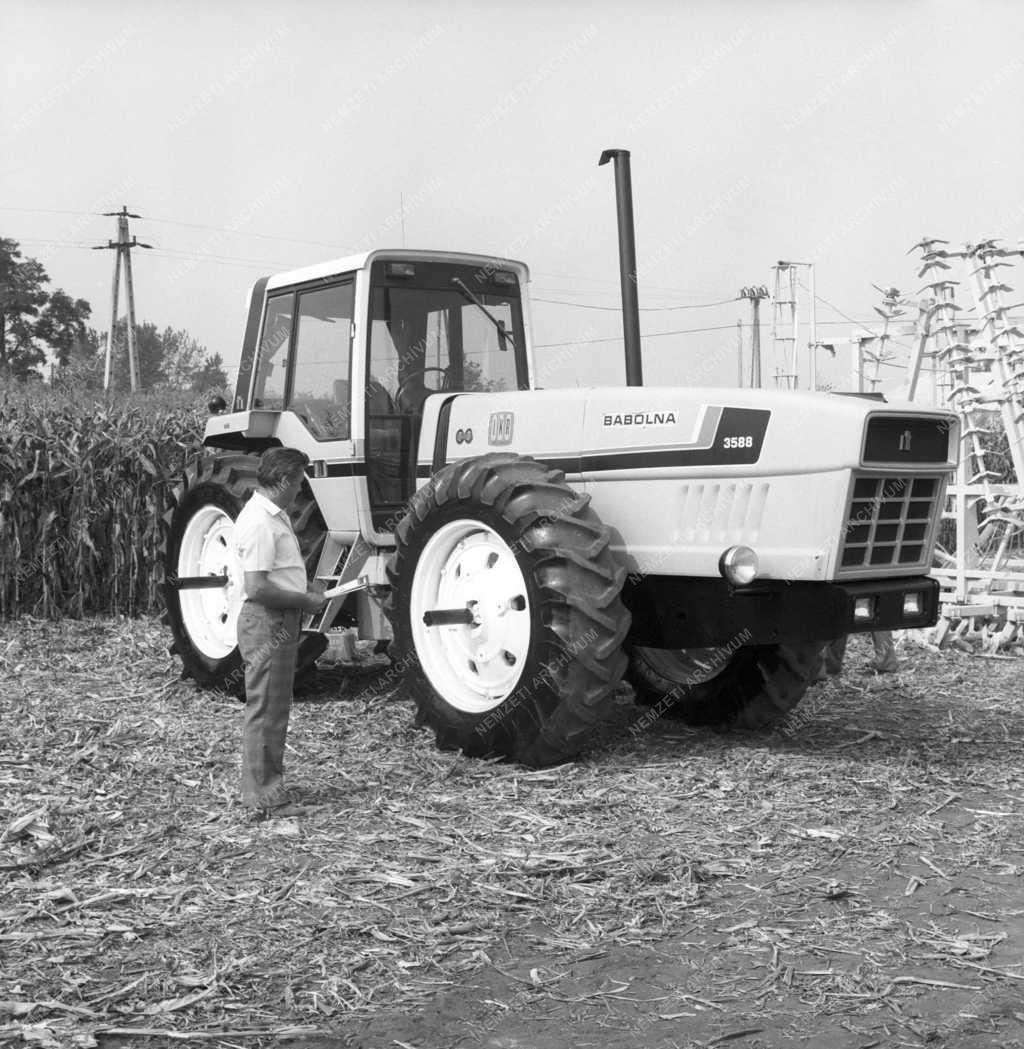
column 351, row 263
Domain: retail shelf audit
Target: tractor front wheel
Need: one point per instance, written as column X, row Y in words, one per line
column 506, row 612
column 751, row 687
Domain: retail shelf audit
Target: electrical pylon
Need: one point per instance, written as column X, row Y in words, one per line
column 123, row 248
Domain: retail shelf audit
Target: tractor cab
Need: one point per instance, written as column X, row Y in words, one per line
column 339, row 360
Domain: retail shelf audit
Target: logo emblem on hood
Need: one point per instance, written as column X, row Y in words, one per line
column 501, row 427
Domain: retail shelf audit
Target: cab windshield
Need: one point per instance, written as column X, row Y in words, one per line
column 427, row 336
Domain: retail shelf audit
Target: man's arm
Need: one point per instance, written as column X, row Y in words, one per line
column 259, row 588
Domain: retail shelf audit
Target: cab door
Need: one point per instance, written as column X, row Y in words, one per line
column 305, row 371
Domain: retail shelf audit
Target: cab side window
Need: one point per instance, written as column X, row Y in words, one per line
column 323, row 361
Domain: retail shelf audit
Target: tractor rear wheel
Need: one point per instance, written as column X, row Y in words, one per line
column 202, row 586
column 752, row 687
column 506, row 611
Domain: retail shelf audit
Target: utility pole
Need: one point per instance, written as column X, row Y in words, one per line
column 123, row 247
column 755, row 293
column 739, row 354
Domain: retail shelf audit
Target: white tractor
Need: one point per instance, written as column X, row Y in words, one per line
column 519, row 550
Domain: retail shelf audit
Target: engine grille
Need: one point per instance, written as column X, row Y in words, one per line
column 888, row 523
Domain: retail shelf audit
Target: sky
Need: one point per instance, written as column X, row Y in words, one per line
column 258, row 137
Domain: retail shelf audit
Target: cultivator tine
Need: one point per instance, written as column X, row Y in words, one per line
column 947, row 326
column 984, row 475
column 999, row 309
column 938, row 287
column 925, row 244
column 1015, row 524
column 987, row 267
column 935, row 307
column 931, row 265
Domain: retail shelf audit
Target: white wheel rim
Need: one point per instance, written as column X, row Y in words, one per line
column 474, row 667
column 210, row 616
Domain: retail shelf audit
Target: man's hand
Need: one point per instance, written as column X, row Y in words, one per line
column 261, row 590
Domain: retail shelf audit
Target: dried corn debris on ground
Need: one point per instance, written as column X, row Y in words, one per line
column 853, row 877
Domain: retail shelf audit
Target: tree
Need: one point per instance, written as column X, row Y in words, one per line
column 171, row 359
column 211, row 376
column 22, row 295
column 32, row 318
column 62, row 324
column 83, row 368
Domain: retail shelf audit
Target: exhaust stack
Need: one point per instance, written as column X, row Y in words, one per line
column 627, row 263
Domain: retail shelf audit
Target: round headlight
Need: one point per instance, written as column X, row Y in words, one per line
column 738, row 565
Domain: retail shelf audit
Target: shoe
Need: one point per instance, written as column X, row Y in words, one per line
column 285, row 811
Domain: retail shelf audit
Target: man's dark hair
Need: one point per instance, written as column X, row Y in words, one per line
column 279, row 465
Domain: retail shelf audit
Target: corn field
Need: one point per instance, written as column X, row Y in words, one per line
column 84, row 481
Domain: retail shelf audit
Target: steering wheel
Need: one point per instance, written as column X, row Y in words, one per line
column 412, row 401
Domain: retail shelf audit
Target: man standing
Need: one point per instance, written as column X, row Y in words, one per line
column 276, row 594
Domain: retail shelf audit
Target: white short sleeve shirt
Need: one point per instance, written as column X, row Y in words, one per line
column 265, row 542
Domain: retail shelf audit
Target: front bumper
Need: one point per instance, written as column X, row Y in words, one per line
column 674, row 612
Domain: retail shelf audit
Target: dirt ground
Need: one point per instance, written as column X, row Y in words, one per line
column 854, row 878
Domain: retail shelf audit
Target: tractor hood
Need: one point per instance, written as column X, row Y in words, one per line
column 672, row 431
column 682, row 474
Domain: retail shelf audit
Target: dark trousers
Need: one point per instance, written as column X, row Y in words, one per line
column 885, row 654
column 268, row 643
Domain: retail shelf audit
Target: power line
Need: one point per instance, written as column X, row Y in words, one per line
column 224, row 258
column 643, row 309
column 170, row 253
column 260, row 236
column 649, row 335
column 53, row 211
column 184, row 257
column 51, row 243
column 836, row 309
column 190, row 225
column 615, row 283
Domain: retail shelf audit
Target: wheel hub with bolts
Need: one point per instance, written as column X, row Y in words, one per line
column 471, row 617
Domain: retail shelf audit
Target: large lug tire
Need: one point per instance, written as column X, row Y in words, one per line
column 534, row 673
column 752, row 687
column 198, row 532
